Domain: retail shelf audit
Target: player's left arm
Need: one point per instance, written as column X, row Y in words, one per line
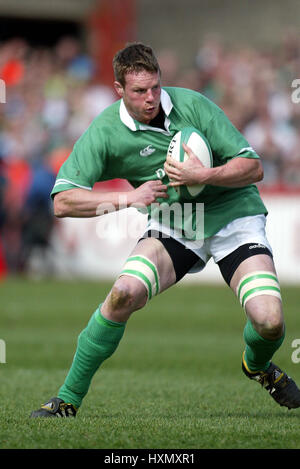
column 237, row 164
column 237, row 172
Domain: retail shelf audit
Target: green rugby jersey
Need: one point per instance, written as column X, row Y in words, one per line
column 117, row 146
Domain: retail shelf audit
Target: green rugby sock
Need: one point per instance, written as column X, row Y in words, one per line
column 96, row 343
column 259, row 351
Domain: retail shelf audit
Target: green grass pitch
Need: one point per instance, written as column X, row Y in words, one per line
column 174, row 382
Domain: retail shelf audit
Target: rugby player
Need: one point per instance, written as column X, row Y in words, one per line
column 129, row 140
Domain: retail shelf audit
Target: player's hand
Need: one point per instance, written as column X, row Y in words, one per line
column 188, row 173
column 148, row 193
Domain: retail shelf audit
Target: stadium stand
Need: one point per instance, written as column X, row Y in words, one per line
column 54, row 91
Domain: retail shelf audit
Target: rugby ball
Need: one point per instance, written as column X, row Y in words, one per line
column 196, row 141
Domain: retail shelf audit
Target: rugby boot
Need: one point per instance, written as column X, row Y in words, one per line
column 55, row 407
column 278, row 384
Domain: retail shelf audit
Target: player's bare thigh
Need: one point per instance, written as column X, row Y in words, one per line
column 265, row 311
column 128, row 293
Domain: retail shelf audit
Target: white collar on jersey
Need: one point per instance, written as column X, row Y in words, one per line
column 132, row 124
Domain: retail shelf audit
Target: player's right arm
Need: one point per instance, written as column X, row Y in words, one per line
column 73, row 194
column 82, row 203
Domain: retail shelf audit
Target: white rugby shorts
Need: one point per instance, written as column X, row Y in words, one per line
column 241, row 231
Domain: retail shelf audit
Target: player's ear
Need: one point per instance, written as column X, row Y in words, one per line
column 119, row 89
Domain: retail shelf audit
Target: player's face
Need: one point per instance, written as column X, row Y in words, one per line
column 141, row 95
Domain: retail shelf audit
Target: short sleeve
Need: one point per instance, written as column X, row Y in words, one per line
column 85, row 165
column 226, row 141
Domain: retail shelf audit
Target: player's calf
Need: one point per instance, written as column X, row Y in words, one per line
column 259, row 294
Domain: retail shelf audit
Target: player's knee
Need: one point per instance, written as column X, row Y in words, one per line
column 270, row 324
column 272, row 327
column 127, row 295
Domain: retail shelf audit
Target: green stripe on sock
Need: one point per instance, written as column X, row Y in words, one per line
column 253, row 290
column 254, row 277
column 136, row 273
column 149, row 264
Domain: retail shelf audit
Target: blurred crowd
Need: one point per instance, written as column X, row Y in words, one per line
column 52, row 95
column 254, row 88
column 51, row 98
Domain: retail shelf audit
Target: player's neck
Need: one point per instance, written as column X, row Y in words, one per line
column 159, row 120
